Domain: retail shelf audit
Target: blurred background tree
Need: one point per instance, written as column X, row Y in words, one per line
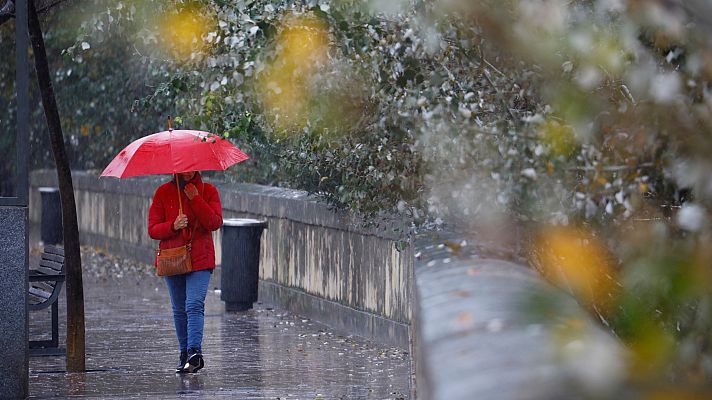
column 583, row 124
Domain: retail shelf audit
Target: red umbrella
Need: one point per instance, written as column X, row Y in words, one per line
column 171, row 152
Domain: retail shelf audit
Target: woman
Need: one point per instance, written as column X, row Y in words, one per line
column 202, row 213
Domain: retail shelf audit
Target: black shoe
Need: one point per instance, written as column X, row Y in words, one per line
column 183, row 360
column 195, row 361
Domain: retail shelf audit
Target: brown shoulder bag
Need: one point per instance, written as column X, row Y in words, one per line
column 176, row 260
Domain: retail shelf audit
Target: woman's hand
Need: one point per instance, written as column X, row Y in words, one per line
column 191, row 191
column 180, row 222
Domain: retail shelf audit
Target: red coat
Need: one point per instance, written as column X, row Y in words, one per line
column 204, row 214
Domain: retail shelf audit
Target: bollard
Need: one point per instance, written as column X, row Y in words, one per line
column 51, row 223
column 240, row 262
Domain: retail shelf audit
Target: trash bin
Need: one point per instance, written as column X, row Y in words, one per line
column 240, row 262
column 51, row 223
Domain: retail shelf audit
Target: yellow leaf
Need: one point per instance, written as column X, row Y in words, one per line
column 454, row 247
column 558, row 136
column 575, row 259
column 549, row 167
column 283, row 86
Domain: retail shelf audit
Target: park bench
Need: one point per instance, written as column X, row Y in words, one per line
column 45, row 285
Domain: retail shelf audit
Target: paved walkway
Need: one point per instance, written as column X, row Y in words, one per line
column 259, row 354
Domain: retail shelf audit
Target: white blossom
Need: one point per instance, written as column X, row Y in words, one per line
column 691, row 217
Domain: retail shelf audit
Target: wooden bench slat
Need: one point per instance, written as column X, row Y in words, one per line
column 53, row 257
column 44, row 285
column 40, row 293
column 54, row 250
column 52, row 265
column 33, row 299
column 45, row 270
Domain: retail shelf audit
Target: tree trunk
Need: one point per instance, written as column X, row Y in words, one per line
column 72, row 257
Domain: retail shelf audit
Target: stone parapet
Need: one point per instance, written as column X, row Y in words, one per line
column 478, row 334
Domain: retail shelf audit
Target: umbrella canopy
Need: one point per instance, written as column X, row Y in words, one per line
column 171, row 152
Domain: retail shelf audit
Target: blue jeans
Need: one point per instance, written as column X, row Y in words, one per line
column 188, row 298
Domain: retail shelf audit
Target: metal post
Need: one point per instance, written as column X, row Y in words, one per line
column 55, row 324
column 22, row 128
column 22, row 86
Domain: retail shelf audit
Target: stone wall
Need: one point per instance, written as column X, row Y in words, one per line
column 314, row 261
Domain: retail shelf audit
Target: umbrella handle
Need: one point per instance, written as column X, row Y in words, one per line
column 170, row 124
column 180, row 202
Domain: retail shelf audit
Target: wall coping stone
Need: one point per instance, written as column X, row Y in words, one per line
column 474, row 338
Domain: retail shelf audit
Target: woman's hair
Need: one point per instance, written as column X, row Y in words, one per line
column 181, row 181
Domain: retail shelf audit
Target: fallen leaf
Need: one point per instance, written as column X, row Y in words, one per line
column 465, row 319
column 460, row 293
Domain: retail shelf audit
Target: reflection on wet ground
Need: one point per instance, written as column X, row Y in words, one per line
column 259, row 354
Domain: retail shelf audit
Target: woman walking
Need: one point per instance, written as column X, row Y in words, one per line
column 202, row 214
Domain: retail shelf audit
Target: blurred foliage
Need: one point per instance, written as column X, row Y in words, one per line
column 96, row 81
column 587, row 122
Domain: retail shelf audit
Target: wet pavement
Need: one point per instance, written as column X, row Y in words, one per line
column 259, row 354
